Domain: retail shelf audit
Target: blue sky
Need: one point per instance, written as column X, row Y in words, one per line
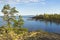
column 33, row 7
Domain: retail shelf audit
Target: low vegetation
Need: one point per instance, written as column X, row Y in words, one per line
column 23, row 34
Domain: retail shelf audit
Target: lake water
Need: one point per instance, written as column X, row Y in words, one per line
column 33, row 25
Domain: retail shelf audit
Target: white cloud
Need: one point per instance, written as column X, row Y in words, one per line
column 1, row 14
column 43, row 3
column 20, row 1
column 34, row 0
column 1, row 1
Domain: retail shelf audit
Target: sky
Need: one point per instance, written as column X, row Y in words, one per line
column 33, row 7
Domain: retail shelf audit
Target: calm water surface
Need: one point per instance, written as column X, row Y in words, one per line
column 33, row 25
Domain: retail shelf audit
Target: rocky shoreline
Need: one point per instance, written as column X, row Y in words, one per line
column 29, row 36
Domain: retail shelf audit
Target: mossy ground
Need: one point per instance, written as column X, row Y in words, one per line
column 25, row 35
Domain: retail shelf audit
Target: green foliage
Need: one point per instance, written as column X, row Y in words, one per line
column 20, row 30
column 18, row 23
column 12, row 31
column 8, row 14
column 9, row 17
column 49, row 16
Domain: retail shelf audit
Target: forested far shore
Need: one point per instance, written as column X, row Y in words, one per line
column 48, row 17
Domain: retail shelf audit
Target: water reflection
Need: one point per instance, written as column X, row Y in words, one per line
column 48, row 26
